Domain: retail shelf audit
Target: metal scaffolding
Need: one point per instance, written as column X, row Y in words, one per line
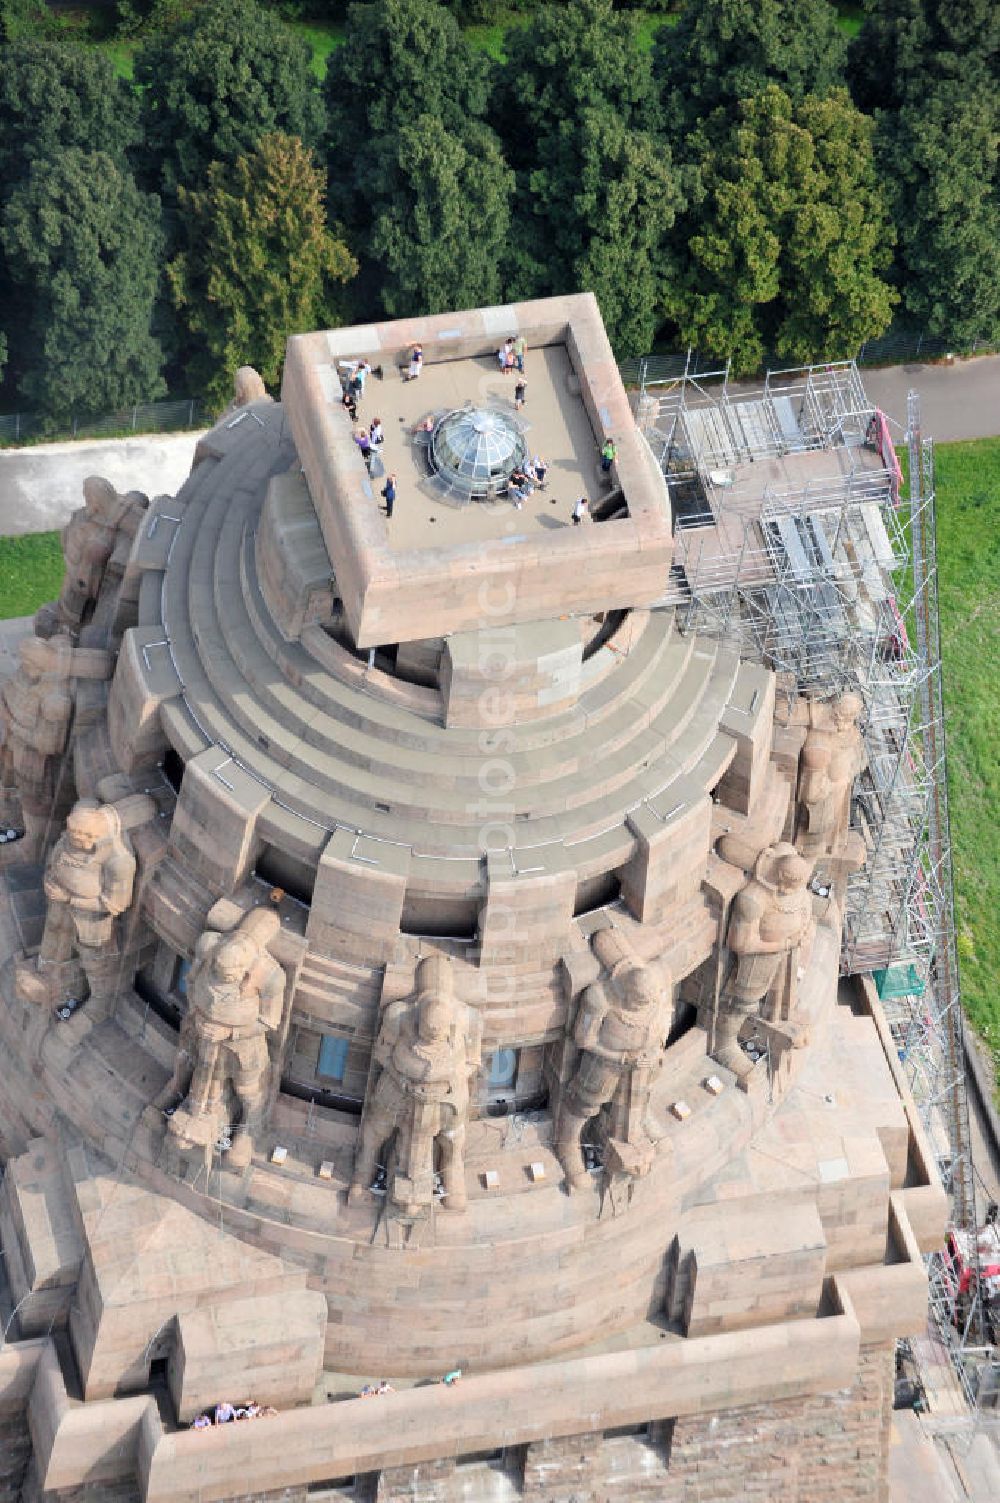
column 792, row 538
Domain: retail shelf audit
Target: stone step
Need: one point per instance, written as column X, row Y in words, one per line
column 270, row 733
column 328, row 774
column 353, row 696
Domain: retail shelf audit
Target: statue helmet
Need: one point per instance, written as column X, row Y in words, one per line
column 848, row 707
column 234, row 956
column 435, row 1017
column 786, row 866
column 92, row 821
column 434, row 974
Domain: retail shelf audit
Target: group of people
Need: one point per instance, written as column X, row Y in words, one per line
column 370, row 439
column 357, row 372
column 225, row 1413
column 510, row 355
column 376, row 1390
column 524, row 479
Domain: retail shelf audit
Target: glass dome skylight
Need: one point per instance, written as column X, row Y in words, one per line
column 474, row 450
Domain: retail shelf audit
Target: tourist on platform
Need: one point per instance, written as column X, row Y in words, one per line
column 609, row 454
column 580, row 511
column 375, row 433
column 389, row 492
column 364, row 443
column 416, row 361
column 519, row 393
column 520, row 350
column 540, row 467
column 521, row 484
column 350, row 401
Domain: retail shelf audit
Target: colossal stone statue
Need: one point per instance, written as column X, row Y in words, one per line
column 36, row 712
column 89, row 879
column 88, row 541
column 618, row 1029
column 770, row 933
column 235, row 996
column 429, row 1052
column 832, row 756
column 248, row 386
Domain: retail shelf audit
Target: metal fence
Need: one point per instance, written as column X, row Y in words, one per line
column 144, row 417
column 897, row 346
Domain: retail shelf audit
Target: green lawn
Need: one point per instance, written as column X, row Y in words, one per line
column 31, row 570
column 324, row 36
column 968, row 518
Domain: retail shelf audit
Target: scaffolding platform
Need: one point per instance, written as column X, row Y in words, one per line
column 794, row 541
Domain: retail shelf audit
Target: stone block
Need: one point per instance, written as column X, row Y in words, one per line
column 215, row 819
column 736, row 1266
column 359, row 893
column 267, row 1349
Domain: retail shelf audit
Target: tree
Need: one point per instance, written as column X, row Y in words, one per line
column 940, row 161
column 401, row 58
column 789, row 234
column 724, row 51
column 906, row 47
column 259, row 263
column 440, row 218
column 605, row 202
column 575, row 57
column 54, row 97
column 83, row 246
column 214, row 85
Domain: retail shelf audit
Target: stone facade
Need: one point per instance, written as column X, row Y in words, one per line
column 445, row 982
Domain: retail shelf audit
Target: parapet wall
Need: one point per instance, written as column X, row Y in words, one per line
column 798, row 1411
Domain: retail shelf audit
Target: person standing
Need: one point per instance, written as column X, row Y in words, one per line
column 376, row 435
column 520, row 348
column 580, row 511
column 609, row 454
column 416, row 361
column 540, row 467
column 389, row 492
column 519, row 393
column 364, row 443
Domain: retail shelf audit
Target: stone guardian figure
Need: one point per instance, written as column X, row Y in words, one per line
column 88, row 541
column 428, row 1051
column 770, row 933
column 235, row 998
column 36, row 715
column 618, row 1030
column 832, row 757
column 89, row 881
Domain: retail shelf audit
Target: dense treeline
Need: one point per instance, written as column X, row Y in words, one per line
column 752, row 185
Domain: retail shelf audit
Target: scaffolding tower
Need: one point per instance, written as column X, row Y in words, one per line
column 793, row 538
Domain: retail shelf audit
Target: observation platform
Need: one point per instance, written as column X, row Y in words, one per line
column 427, row 572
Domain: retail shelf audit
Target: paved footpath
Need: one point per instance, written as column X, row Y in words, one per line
column 956, row 401
column 41, row 485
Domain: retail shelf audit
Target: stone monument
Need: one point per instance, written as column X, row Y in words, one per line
column 428, row 867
